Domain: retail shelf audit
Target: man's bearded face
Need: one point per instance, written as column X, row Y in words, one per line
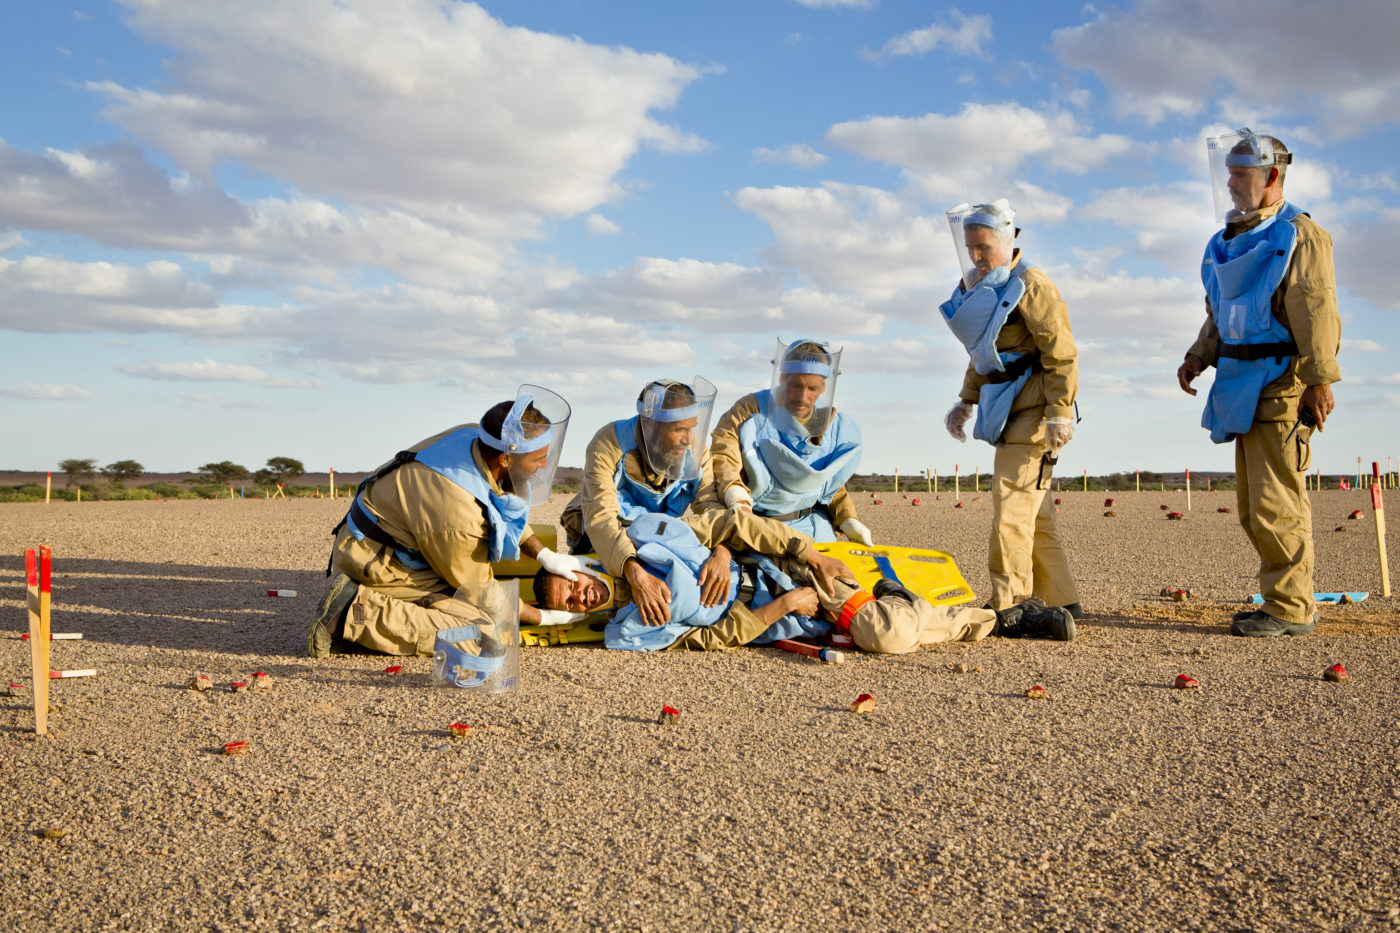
column 584, row 594
column 669, row 442
column 801, row 392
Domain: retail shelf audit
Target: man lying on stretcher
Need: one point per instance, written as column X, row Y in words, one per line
column 719, row 602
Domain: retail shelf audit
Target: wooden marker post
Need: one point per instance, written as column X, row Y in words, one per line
column 1358, row 474
column 1137, row 481
column 1086, row 480
column 48, row 487
column 332, row 482
column 37, row 581
column 977, row 479
column 1188, row 490
column 80, row 493
column 896, row 481
column 230, row 490
column 957, row 482
column 928, row 479
column 935, row 480
column 1378, row 506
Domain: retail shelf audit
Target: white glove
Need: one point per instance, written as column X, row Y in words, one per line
column 560, row 616
column 1058, row 432
column 853, row 529
column 736, row 496
column 955, row 419
column 562, row 564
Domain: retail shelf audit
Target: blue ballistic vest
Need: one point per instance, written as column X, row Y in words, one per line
column 976, row 318
column 1240, row 276
column 634, row 498
column 788, row 473
column 668, row 550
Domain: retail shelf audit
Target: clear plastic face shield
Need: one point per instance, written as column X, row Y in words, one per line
column 532, row 436
column 1239, row 172
column 984, row 236
column 481, row 653
column 675, row 420
column 804, row 387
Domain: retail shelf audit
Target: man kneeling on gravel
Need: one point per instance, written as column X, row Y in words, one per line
column 760, row 591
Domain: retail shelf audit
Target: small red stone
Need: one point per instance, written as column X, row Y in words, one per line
column 1037, row 693
column 1162, row 507
column 865, row 703
column 1186, row 682
column 1059, row 501
column 1336, row 674
column 1110, row 514
column 958, row 506
column 459, row 730
column 236, row 748
column 914, row 502
column 1175, row 516
column 1340, row 528
column 669, row 714
column 1224, row 508
column 394, row 669
column 1108, row 503
column 1355, row 515
column 238, row 686
column 878, row 502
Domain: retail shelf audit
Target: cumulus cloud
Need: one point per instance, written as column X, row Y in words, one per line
column 961, row 34
column 798, row 155
column 207, row 371
column 438, row 109
column 1350, row 345
column 982, row 148
column 599, row 225
column 1164, row 57
column 851, row 238
column 45, row 391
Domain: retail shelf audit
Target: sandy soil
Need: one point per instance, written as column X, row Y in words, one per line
column 1268, row 799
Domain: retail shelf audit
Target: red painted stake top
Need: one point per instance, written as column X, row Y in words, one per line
column 31, row 569
column 45, row 564
column 1376, row 496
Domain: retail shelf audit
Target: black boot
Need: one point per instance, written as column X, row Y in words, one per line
column 1031, row 618
column 887, row 587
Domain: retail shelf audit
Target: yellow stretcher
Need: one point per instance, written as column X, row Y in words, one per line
column 931, row 574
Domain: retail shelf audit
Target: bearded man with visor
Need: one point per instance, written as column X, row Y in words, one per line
column 425, row 527
column 1272, row 332
column 786, row 453
column 1022, row 378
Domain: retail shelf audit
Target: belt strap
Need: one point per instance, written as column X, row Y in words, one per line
column 800, row 513
column 1258, row 351
column 849, row 609
column 1014, row 369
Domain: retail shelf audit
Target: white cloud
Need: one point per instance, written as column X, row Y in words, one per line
column 1164, row 57
column 705, row 295
column 48, row 392
column 599, row 225
column 980, row 151
column 798, row 155
column 1169, row 223
column 964, row 35
column 11, row 240
column 440, row 110
column 1350, row 345
column 207, row 371
column 851, row 238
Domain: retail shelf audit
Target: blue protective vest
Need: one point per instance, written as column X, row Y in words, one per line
column 788, row 473
column 634, row 498
column 507, row 516
column 1240, row 276
column 668, row 549
column 771, row 582
column 976, row 318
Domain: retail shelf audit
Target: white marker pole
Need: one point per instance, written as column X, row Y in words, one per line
column 64, row 675
column 1188, row 490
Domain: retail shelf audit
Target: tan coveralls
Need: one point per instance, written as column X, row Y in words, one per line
column 1269, row 475
column 1026, row 556
column 893, row 625
column 398, row 610
column 595, row 510
column 729, row 459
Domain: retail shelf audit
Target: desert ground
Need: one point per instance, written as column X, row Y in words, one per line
column 1266, row 799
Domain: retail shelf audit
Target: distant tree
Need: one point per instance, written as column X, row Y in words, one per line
column 123, row 470
column 225, row 471
column 77, row 469
column 282, row 469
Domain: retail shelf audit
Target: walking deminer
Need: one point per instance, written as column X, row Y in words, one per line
column 1272, row 333
column 1021, row 380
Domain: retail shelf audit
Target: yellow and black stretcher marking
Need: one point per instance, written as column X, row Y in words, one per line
column 930, row 574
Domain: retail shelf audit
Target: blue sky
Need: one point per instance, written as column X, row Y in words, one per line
column 326, row 230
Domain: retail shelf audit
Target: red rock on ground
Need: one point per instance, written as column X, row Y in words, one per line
column 1037, row 693
column 1187, row 682
column 1355, row 515
column 669, row 715
column 865, row 703
column 459, row 730
column 958, row 506
column 1224, row 508
column 236, row 748
column 1335, row 674
column 1174, row 516
column 1110, row 514
column 1108, row 503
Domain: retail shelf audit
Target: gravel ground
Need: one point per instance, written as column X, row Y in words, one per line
column 1267, row 799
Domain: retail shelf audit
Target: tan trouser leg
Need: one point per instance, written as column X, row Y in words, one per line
column 1277, row 516
column 1026, row 557
column 737, row 628
column 892, row 625
column 404, row 621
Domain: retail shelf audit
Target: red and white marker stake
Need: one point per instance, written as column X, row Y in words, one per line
column 1378, row 506
column 64, row 675
column 826, row 655
column 38, row 581
column 58, row 636
column 286, row 593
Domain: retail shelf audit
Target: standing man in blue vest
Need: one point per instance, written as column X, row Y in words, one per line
column 1021, row 380
column 786, row 453
column 1272, row 332
column 431, row 521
